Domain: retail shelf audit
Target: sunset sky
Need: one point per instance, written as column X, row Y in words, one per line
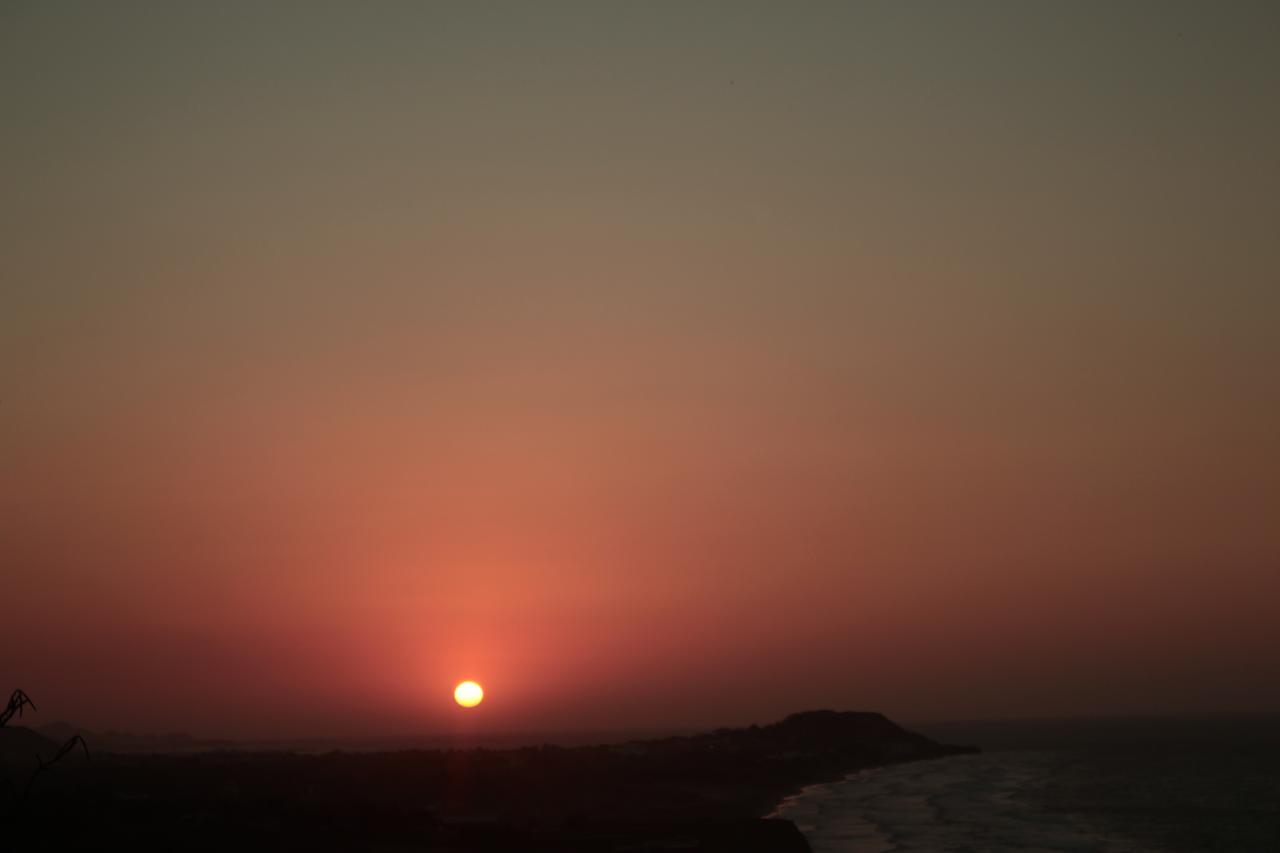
column 653, row 364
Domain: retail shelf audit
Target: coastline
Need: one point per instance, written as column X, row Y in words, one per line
column 776, row 814
column 1177, row 795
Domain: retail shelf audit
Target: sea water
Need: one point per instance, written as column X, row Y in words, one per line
column 1103, row 787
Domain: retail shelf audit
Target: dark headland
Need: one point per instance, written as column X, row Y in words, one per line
column 702, row 792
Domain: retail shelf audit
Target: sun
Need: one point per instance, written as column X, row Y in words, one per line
column 468, row 694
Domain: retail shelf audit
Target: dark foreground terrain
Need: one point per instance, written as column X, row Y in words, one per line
column 705, row 792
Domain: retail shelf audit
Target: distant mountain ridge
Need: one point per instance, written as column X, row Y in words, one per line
column 795, row 729
column 22, row 746
column 128, row 742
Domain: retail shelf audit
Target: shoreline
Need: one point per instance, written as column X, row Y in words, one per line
column 776, row 814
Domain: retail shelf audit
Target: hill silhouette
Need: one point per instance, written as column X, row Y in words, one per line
column 129, row 742
column 21, row 746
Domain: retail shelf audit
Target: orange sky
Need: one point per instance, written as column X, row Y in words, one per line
column 654, row 367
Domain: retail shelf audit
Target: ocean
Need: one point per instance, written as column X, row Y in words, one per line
column 1110, row 786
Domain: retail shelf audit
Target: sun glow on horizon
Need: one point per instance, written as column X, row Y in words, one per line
column 468, row 694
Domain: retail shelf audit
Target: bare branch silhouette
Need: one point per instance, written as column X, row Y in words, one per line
column 17, row 701
column 43, row 765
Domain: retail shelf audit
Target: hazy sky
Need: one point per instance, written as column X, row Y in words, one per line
column 651, row 363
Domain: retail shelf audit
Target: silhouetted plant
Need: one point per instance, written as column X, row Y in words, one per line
column 19, row 700
column 43, row 765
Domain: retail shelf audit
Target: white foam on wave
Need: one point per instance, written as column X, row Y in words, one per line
column 962, row 803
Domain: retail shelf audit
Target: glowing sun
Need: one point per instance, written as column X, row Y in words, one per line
column 468, row 694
